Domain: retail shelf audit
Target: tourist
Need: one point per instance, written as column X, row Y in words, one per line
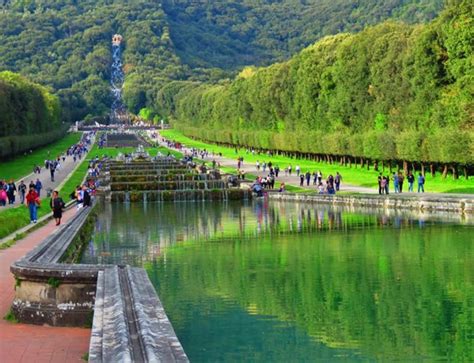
column 3, row 196
column 379, row 181
column 11, row 192
column 52, row 169
column 22, row 191
column 78, row 195
column 321, row 188
column 282, row 188
column 289, row 170
column 264, row 166
column 337, row 180
column 33, row 201
column 277, row 170
column 86, row 197
column 395, row 183
column 308, row 178
column 401, row 178
column 257, row 165
column 320, row 177
column 383, row 185
column 387, row 184
column 301, row 180
column 411, row 180
column 298, row 170
column 38, row 187
column 421, row 183
column 57, row 205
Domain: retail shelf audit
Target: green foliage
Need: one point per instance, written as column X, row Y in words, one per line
column 235, row 33
column 390, row 92
column 10, row 317
column 66, row 45
column 54, row 282
column 29, row 115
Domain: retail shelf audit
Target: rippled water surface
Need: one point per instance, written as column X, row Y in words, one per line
column 285, row 282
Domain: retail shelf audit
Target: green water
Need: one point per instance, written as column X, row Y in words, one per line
column 284, row 282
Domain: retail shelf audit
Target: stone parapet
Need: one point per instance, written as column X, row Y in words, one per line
column 425, row 203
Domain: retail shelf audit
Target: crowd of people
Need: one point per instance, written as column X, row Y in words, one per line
column 31, row 194
column 398, row 180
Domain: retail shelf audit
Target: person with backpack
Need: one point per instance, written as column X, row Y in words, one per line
column 57, row 204
column 421, row 183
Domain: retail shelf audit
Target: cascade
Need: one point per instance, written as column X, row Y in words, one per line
column 118, row 112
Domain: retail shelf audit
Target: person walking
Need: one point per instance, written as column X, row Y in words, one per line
column 11, row 192
column 22, row 191
column 298, row 170
column 57, row 204
column 32, row 201
column 379, row 180
column 421, row 183
column 38, row 187
column 301, row 180
column 289, row 170
column 52, row 169
column 308, row 178
column 277, row 171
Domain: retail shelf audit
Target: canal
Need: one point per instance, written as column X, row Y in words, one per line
column 286, row 282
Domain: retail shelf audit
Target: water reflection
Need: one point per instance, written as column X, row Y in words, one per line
column 298, row 282
column 136, row 233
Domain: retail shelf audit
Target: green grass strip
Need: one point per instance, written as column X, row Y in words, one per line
column 351, row 175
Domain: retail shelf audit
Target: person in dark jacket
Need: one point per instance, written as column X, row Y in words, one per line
column 86, row 197
column 57, row 204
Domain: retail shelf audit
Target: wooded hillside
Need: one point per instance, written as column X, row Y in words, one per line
column 391, row 92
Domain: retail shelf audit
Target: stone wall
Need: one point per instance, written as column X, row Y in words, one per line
column 425, row 203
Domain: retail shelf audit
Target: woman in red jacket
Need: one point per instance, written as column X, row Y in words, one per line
column 32, row 201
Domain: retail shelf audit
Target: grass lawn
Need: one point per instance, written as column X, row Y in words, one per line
column 353, row 176
column 21, row 166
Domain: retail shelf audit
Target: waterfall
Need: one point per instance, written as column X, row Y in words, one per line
column 118, row 112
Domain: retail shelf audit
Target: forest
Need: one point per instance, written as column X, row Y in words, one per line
column 65, row 44
column 236, row 33
column 391, row 93
column 30, row 115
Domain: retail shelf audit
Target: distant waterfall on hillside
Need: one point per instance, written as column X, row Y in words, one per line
column 118, row 112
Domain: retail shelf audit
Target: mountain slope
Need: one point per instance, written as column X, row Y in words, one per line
column 392, row 91
column 235, row 33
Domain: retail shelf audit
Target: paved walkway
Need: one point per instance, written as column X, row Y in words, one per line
column 32, row 343
column 294, row 180
column 45, row 177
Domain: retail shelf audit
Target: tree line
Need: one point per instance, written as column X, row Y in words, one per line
column 29, row 115
column 391, row 93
